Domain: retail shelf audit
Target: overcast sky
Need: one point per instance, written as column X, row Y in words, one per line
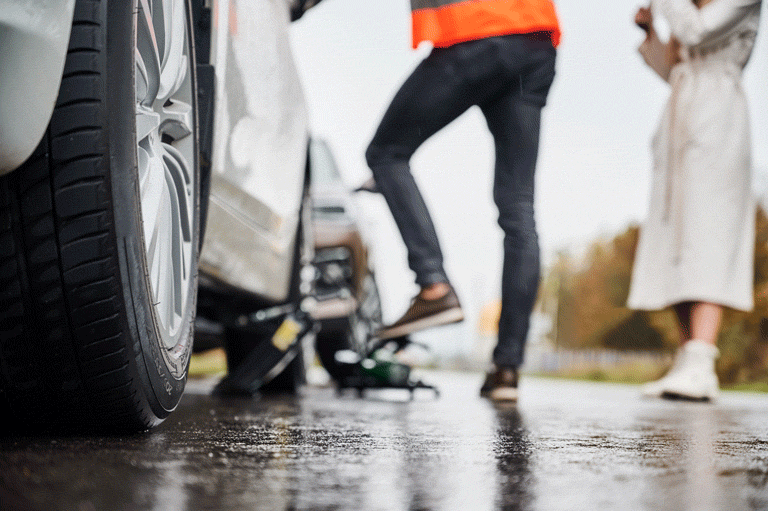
column 593, row 177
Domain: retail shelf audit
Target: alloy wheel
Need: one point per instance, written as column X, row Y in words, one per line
column 166, row 157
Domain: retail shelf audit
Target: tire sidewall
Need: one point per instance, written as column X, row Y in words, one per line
column 163, row 372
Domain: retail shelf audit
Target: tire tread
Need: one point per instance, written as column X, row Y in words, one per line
column 61, row 342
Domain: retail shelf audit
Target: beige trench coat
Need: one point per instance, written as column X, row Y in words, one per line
column 697, row 243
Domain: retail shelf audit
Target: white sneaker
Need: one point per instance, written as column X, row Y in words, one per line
column 656, row 388
column 692, row 375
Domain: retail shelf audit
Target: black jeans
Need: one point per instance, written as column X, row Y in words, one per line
column 508, row 77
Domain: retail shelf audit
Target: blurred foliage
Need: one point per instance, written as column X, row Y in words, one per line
column 208, row 363
column 587, row 298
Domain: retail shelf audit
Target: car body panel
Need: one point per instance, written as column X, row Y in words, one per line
column 34, row 36
column 259, row 149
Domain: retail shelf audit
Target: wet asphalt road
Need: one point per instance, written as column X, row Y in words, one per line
column 565, row 446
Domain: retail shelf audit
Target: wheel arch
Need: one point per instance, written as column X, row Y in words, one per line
column 34, row 39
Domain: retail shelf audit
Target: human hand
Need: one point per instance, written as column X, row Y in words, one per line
column 644, row 19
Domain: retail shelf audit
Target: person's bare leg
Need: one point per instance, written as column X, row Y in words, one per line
column 705, row 319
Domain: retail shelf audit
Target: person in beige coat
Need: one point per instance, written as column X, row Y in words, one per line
column 696, row 248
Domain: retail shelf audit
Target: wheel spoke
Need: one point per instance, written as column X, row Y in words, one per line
column 149, row 51
column 143, row 164
column 186, row 255
column 179, row 180
column 153, row 212
column 163, row 283
column 174, row 237
column 159, row 24
column 152, row 195
column 142, row 78
column 174, row 68
column 169, row 295
column 158, row 250
column 147, row 121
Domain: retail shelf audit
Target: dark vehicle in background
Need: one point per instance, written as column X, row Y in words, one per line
column 348, row 305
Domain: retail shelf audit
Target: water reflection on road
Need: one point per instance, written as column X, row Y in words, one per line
column 564, row 446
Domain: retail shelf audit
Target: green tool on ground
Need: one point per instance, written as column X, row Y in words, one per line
column 380, row 369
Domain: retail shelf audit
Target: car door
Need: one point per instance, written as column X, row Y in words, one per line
column 259, row 149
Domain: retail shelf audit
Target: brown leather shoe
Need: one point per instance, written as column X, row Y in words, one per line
column 424, row 314
column 500, row 384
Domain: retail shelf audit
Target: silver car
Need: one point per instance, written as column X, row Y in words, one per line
column 125, row 127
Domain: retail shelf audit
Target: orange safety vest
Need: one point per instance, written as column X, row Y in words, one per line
column 447, row 22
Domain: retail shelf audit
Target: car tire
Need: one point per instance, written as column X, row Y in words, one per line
column 99, row 229
column 356, row 333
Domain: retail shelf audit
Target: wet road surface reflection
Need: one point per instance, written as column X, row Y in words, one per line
column 566, row 445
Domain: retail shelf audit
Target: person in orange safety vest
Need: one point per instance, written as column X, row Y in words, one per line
column 500, row 56
column 447, row 22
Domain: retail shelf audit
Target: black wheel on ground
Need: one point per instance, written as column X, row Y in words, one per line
column 353, row 333
column 99, row 229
